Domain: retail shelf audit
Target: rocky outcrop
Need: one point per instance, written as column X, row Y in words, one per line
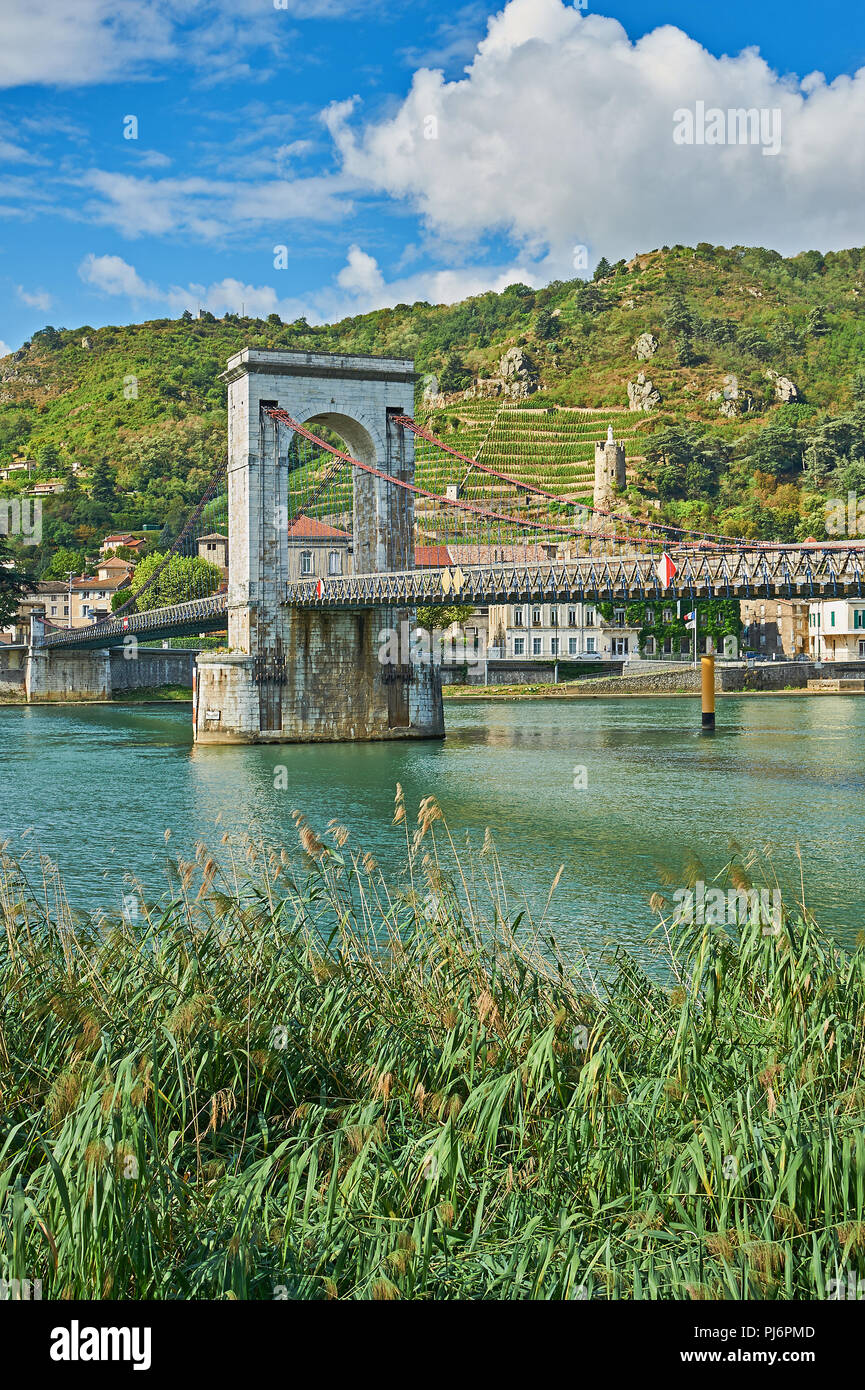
column 643, row 394
column 785, row 390
column 646, row 346
column 517, row 379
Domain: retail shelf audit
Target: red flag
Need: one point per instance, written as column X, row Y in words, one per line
column 319, row 588
column 665, row 570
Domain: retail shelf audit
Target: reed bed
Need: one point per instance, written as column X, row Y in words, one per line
column 298, row 1078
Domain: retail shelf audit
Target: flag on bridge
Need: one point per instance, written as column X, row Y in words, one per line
column 319, row 589
column 665, row 570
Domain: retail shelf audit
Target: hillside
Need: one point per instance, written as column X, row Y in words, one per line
column 757, row 364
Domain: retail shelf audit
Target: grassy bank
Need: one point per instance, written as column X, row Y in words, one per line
column 297, row 1079
column 612, row 690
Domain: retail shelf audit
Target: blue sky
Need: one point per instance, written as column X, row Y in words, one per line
column 401, row 151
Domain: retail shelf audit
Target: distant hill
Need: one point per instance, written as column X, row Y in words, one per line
column 751, row 361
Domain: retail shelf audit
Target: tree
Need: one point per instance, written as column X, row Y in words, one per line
column 63, row 560
column 602, row 269
column 435, row 617
column 589, row 299
column 455, row 376
column 13, row 584
column 184, row 577
column 103, row 484
column 47, row 456
column 547, row 324
column 685, row 462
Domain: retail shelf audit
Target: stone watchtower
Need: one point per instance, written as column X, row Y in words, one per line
column 303, row 675
column 609, row 470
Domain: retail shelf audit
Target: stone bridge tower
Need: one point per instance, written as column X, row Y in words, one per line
column 302, row 675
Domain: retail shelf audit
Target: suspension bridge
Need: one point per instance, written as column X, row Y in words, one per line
column 341, row 509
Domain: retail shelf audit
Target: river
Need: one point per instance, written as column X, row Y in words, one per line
column 95, row 787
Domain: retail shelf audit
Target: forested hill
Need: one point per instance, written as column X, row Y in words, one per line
column 755, row 367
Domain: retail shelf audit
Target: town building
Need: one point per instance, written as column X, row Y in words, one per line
column 776, row 627
column 317, row 550
column 836, row 629
column 214, row 549
column 121, row 540
column 564, row 630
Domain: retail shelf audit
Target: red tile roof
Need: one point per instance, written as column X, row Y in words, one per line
column 436, row 556
column 309, row 528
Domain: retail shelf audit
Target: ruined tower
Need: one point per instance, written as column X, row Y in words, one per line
column 609, row 471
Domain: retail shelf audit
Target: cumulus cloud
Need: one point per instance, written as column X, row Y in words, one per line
column 560, row 134
column 357, row 288
column 113, row 275
column 36, row 299
column 361, row 274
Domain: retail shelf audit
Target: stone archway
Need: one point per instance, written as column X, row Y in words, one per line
column 302, row 675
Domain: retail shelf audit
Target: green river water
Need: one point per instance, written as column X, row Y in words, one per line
column 95, row 788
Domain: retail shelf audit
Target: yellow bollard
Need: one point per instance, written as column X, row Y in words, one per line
column 707, row 673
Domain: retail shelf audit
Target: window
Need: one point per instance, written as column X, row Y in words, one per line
column 590, row 618
column 536, row 646
column 518, row 617
column 861, row 647
column 832, row 618
column 668, row 615
column 650, row 646
column 619, row 617
column 590, row 644
column 554, row 646
column 536, row 617
column 519, row 646
column 306, row 562
column 650, row 616
column 572, row 646
column 54, row 610
column 554, row 617
column 334, row 562
column 572, row 617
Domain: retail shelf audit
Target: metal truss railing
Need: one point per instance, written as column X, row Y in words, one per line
column 802, row 574
column 198, row 615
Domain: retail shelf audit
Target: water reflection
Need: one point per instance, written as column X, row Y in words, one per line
column 100, row 785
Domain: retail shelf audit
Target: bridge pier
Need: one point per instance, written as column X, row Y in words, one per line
column 67, row 674
column 304, row 675
column 333, row 689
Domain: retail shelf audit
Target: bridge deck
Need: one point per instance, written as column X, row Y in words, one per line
column 802, row 573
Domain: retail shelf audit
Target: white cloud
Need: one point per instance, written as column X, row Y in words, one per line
column 359, row 287
column 113, row 275
column 561, row 134
column 361, row 274
column 69, row 43
column 5, row 349
column 51, row 42
column 208, row 209
column 36, row 299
